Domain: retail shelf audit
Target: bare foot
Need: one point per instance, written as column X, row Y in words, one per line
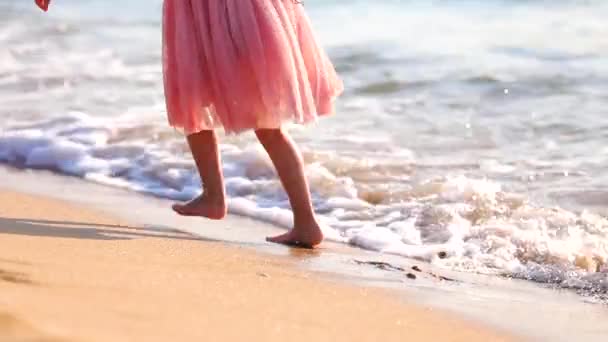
column 309, row 237
column 202, row 206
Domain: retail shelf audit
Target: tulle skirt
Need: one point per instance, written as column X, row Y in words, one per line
column 243, row 64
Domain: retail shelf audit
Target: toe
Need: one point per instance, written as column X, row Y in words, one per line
column 180, row 209
column 280, row 238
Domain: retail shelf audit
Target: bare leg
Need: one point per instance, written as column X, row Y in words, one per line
column 290, row 167
column 212, row 202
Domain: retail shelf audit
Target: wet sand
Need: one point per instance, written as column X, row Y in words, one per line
column 68, row 273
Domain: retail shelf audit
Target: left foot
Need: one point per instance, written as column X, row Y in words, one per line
column 309, row 237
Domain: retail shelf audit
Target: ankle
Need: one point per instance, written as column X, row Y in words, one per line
column 215, row 198
column 307, row 220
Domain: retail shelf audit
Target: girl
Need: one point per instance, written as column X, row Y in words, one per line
column 245, row 65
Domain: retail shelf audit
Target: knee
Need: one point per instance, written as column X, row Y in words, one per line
column 269, row 135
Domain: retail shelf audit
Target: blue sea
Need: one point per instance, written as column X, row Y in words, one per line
column 472, row 134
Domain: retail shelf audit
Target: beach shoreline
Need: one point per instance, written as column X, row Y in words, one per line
column 500, row 305
column 460, row 175
column 70, row 273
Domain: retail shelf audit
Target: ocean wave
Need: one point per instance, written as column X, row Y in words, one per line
column 456, row 222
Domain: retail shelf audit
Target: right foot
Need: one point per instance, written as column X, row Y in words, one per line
column 308, row 237
column 202, row 206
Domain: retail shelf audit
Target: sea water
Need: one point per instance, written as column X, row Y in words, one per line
column 472, row 134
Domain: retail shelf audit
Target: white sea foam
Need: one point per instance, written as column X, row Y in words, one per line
column 457, row 222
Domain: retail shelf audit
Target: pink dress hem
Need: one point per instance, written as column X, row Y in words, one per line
column 241, row 65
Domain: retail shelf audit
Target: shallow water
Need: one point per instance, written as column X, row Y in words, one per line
column 473, row 129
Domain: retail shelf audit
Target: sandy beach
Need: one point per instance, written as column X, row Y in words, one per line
column 72, row 274
column 458, row 184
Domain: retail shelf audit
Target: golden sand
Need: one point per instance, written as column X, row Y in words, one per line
column 70, row 274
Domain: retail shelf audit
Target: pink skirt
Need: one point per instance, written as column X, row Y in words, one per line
column 243, row 64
